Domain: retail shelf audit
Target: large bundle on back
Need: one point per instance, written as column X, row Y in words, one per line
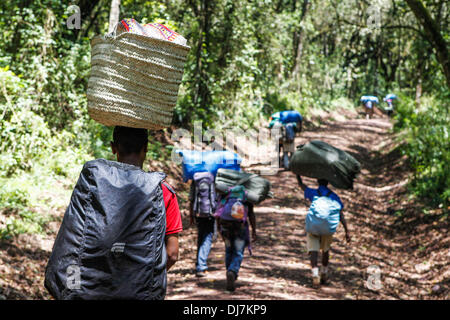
column 365, row 99
column 207, row 161
column 135, row 75
column 111, row 237
column 257, row 187
column 320, row 160
column 289, row 116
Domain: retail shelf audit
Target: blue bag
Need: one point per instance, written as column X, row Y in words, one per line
column 208, row 161
column 290, row 116
column 290, row 132
column 390, row 96
column 364, row 99
column 323, row 215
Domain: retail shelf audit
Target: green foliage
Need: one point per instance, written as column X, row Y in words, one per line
column 156, row 151
column 426, row 130
column 248, row 59
column 18, row 217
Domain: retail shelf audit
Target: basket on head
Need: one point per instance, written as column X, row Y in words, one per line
column 134, row 80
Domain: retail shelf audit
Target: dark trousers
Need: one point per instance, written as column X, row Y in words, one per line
column 205, row 228
column 234, row 235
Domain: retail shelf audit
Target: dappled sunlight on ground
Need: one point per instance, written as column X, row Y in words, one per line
column 389, row 230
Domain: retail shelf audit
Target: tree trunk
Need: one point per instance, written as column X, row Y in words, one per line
column 114, row 15
column 228, row 24
column 298, row 42
column 89, row 14
column 201, row 93
column 15, row 44
column 433, row 32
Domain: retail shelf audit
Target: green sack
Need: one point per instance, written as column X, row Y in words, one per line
column 272, row 122
column 258, row 188
column 320, row 160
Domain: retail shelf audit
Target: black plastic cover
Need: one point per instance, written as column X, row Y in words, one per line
column 318, row 159
column 111, row 241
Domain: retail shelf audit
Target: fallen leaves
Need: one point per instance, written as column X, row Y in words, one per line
column 279, row 268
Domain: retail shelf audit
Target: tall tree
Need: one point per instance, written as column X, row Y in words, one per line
column 435, row 37
column 114, row 15
column 298, row 39
column 202, row 11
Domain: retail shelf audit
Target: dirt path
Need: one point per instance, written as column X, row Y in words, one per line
column 279, row 267
column 389, row 231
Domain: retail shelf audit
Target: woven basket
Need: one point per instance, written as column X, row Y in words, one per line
column 134, row 80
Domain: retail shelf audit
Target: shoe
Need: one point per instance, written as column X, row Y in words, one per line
column 231, row 278
column 323, row 275
column 200, row 274
column 316, row 282
column 323, row 278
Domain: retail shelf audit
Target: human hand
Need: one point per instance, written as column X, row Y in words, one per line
column 254, row 238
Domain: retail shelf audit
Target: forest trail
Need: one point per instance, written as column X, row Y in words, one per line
column 412, row 252
column 279, row 267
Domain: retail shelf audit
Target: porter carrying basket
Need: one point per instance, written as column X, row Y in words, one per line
column 134, row 80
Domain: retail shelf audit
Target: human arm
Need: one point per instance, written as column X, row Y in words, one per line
column 299, row 126
column 172, row 249
column 173, row 225
column 191, row 204
column 344, row 223
column 300, row 183
column 252, row 219
column 191, row 214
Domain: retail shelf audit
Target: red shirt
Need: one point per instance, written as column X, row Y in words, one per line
column 173, row 215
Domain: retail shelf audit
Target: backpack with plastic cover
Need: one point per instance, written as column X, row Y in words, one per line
column 232, row 207
column 205, row 194
column 323, row 215
column 111, row 241
column 290, row 132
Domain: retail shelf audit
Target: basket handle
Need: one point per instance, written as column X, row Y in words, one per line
column 113, row 33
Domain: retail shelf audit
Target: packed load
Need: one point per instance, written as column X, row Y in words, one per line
column 207, row 161
column 320, row 160
column 365, row 99
column 323, row 215
column 285, row 117
column 107, row 246
column 135, row 75
column 232, row 206
column 204, row 203
column 258, row 188
column 290, row 132
column 390, row 96
column 153, row 30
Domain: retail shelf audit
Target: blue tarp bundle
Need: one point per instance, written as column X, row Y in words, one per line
column 390, row 96
column 364, row 99
column 285, row 117
column 210, row 161
column 290, row 116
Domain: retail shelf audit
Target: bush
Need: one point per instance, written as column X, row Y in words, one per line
column 426, row 129
column 18, row 218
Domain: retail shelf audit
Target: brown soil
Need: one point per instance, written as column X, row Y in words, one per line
column 390, row 231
